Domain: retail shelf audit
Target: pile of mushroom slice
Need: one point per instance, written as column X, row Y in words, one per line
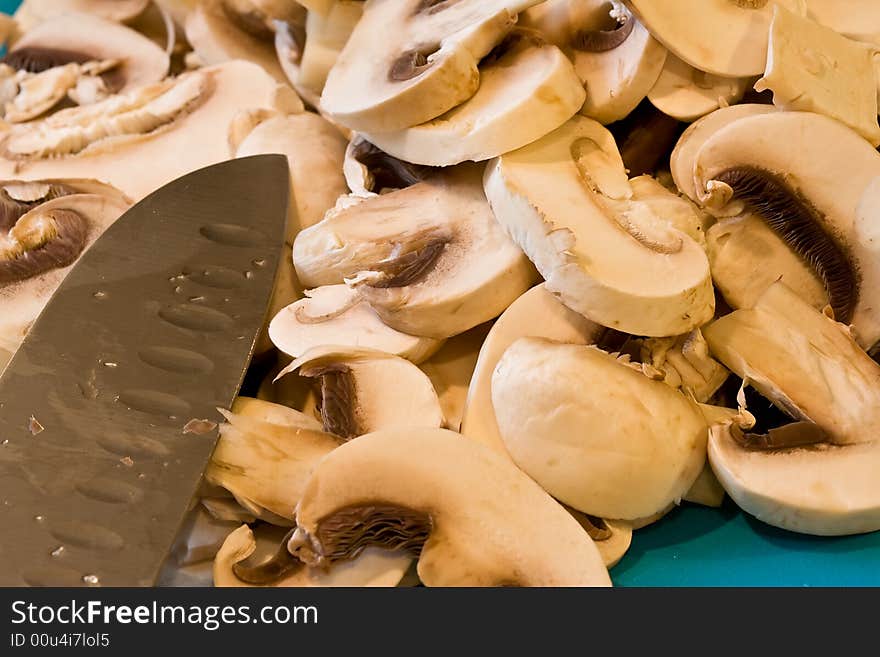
column 546, row 265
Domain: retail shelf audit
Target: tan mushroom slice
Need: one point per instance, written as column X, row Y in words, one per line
column 363, row 390
column 527, row 88
column 335, row 315
column 258, row 555
column 567, row 202
column 616, row 58
column 471, row 517
column 686, row 364
column 286, row 292
column 219, row 32
column 173, row 124
column 430, row 259
column 856, row 19
column 370, row 171
column 419, row 70
column 32, row 13
column 722, row 37
column 315, row 152
column 78, row 38
column 804, row 362
column 681, row 163
column 451, row 370
column 41, row 239
column 556, row 322
column 596, row 432
column 804, row 174
column 812, row 68
column 612, row 537
column 264, row 464
column 274, row 413
column 688, row 94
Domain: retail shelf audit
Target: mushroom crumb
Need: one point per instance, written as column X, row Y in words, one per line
column 34, row 426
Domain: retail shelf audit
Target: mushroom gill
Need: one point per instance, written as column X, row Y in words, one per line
column 411, row 267
column 787, row 436
column 338, row 400
column 39, row 241
column 604, row 40
column 387, row 171
column 19, row 198
column 35, row 59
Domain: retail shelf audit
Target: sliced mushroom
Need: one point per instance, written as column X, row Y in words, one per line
column 688, row 94
column 78, row 38
column 219, row 32
column 594, row 431
column 32, row 13
column 172, row 124
column 315, row 152
column 335, row 315
column 812, row 68
column 856, row 19
column 286, row 292
column 369, row 170
column 616, row 58
column 557, row 322
column 567, row 202
column 420, row 69
column 363, row 390
column 804, row 174
column 527, row 88
column 471, row 517
column 430, row 259
column 807, row 364
column 722, row 37
column 250, row 552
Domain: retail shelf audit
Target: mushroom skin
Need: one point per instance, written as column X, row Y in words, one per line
column 487, row 523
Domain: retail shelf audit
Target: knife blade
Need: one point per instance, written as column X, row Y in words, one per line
column 153, row 327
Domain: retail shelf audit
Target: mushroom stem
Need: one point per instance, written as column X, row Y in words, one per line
column 268, row 572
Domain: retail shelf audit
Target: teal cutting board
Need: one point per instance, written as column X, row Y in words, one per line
column 694, row 546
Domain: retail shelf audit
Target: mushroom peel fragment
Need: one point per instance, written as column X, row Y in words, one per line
column 363, row 390
column 557, row 322
column 173, row 125
column 812, row 68
column 804, row 362
column 469, row 514
column 615, row 57
column 265, row 465
column 567, row 202
column 373, row 567
column 430, row 259
column 77, row 38
column 804, row 173
column 594, row 431
column 315, row 152
column 722, row 37
column 687, row 93
column 335, row 315
column 419, row 70
column 527, row 89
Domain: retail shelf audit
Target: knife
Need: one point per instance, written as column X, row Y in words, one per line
column 154, row 327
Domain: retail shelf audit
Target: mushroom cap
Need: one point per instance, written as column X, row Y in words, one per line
column 824, row 163
column 490, row 523
column 723, row 37
column 421, row 69
column 566, row 201
column 595, row 432
column 527, row 92
column 335, row 315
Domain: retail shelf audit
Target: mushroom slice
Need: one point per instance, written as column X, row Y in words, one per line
column 681, row 163
column 40, row 241
column 335, row 315
column 612, row 537
column 370, row 171
column 723, row 37
column 856, row 19
column 518, row 321
column 315, row 152
column 78, row 38
column 686, row 364
column 804, row 362
column 285, row 292
column 250, row 552
column 806, row 182
column 363, row 390
column 264, row 464
column 470, row 515
column 567, row 202
column 32, row 13
column 594, row 431
column 616, row 58
column 527, row 88
column 686, row 93
column 430, row 259
column 274, row 413
column 812, row 68
column 419, row 70
column 172, row 124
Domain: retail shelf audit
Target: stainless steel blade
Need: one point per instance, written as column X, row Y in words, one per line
column 153, row 327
